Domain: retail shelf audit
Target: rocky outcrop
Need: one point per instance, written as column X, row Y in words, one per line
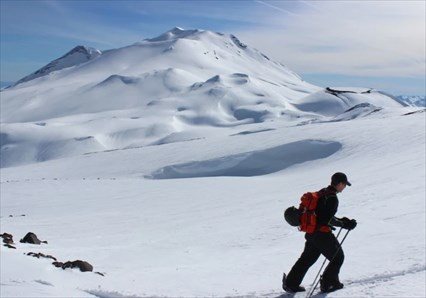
column 32, row 239
column 82, row 265
column 8, row 240
column 40, row 255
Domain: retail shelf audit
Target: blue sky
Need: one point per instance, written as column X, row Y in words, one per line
column 379, row 44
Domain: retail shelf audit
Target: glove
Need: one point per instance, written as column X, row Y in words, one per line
column 348, row 224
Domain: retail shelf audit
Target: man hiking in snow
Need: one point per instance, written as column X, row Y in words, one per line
column 322, row 240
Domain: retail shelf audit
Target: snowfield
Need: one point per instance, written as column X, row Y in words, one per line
column 219, row 236
column 183, row 195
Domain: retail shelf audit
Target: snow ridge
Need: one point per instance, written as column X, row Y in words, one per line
column 76, row 56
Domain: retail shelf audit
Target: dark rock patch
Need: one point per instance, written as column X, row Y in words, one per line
column 58, row 264
column 32, row 239
column 415, row 112
column 82, row 265
column 335, row 92
column 40, row 255
column 7, row 238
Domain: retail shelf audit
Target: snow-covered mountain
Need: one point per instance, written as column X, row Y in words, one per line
column 413, row 100
column 158, row 90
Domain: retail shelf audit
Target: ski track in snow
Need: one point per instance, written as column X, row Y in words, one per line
column 375, row 280
column 387, row 276
column 46, row 283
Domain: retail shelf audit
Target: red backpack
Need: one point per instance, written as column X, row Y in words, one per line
column 305, row 216
column 307, row 208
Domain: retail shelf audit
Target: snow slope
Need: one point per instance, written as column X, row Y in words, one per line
column 167, row 165
column 171, row 88
column 223, row 235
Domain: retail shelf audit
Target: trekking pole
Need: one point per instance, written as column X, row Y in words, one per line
column 316, row 282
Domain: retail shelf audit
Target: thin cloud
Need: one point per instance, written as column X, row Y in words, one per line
column 384, row 38
column 276, row 7
column 234, row 12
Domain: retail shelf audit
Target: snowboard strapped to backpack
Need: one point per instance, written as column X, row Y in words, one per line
column 305, row 217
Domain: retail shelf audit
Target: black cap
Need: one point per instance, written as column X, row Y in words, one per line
column 338, row 178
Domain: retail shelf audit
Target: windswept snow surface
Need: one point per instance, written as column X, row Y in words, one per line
column 220, row 236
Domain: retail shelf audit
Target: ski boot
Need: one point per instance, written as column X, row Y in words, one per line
column 290, row 289
column 331, row 287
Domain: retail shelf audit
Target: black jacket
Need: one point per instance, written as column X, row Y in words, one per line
column 327, row 207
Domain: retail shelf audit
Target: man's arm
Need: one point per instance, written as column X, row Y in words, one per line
column 343, row 222
column 336, row 222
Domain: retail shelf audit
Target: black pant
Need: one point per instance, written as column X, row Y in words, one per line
column 316, row 244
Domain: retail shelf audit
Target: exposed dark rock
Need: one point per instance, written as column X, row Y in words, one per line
column 9, row 246
column 40, row 255
column 32, row 239
column 335, row 92
column 58, row 264
column 238, row 42
column 7, row 238
column 82, row 265
column 102, row 274
column 6, row 235
column 415, row 112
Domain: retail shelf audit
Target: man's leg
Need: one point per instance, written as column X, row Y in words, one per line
column 308, row 257
column 330, row 248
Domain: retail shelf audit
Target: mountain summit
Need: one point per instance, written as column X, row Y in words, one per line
column 174, row 33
